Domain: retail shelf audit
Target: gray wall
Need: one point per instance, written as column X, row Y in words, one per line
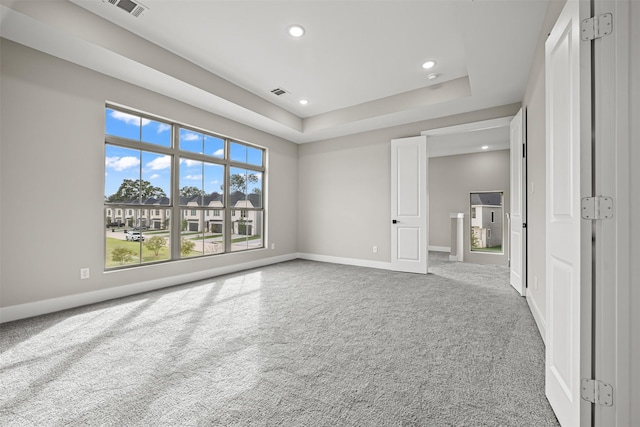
column 451, row 179
column 52, row 178
column 344, row 188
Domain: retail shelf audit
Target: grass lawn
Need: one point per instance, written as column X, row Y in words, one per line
column 149, row 256
column 242, row 239
column 210, row 236
column 494, row 249
column 135, row 247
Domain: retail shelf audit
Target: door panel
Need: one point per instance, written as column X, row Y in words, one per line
column 409, row 205
column 568, row 252
column 408, row 243
column 516, row 232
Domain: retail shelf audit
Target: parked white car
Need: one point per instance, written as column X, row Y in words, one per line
column 134, row 236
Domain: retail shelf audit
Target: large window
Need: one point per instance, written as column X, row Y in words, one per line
column 156, row 170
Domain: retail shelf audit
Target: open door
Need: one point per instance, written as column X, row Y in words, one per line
column 568, row 237
column 409, row 205
column 516, row 230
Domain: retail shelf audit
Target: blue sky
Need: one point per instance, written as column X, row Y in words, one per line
column 245, row 154
column 125, row 163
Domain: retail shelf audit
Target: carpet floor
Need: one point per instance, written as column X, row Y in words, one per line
column 300, row 343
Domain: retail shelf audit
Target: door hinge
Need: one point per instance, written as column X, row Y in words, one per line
column 597, row 392
column 596, row 27
column 598, row 207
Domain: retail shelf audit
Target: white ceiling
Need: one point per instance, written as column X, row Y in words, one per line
column 470, row 141
column 359, row 63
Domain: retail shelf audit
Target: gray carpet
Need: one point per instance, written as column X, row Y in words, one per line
column 300, row 343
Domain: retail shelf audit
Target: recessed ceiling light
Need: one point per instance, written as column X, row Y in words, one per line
column 429, row 64
column 485, row 147
column 432, row 76
column 295, row 30
column 303, row 101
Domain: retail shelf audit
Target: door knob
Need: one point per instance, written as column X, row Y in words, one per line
column 395, row 221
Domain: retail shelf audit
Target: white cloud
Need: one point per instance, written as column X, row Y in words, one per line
column 154, row 176
column 215, row 181
column 163, row 127
column 190, row 163
column 194, row 177
column 128, row 118
column 121, row 163
column 189, row 136
column 160, row 163
column 219, row 152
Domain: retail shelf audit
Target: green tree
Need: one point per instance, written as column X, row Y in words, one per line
column 136, row 189
column 186, row 246
column 190, row 191
column 156, row 243
column 122, row 255
column 239, row 182
column 474, row 240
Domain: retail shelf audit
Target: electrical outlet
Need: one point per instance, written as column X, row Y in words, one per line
column 273, row 246
column 375, row 249
column 84, row 273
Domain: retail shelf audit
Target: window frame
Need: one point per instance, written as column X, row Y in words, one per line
column 174, row 208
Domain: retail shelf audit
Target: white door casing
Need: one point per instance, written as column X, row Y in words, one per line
column 516, row 231
column 409, row 205
column 568, row 237
column 613, row 242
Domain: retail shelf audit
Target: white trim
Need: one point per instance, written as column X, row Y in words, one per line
column 348, row 261
column 470, row 127
column 462, row 129
column 21, row 311
column 440, row 248
column 612, row 172
column 538, row 317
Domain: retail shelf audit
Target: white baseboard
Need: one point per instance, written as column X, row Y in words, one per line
column 538, row 317
column 22, row 311
column 348, row 261
column 440, row 248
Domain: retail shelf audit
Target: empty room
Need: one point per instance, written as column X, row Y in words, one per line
column 319, row 213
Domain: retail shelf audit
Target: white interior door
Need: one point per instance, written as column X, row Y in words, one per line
column 516, row 231
column 409, row 205
column 568, row 237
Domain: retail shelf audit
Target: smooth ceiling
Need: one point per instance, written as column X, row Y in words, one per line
column 359, row 64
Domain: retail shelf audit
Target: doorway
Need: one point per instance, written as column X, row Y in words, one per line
column 465, row 159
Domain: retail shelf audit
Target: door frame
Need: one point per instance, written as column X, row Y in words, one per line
column 613, row 332
column 462, row 128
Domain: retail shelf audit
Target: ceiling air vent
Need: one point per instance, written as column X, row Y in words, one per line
column 278, row 91
column 132, row 8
